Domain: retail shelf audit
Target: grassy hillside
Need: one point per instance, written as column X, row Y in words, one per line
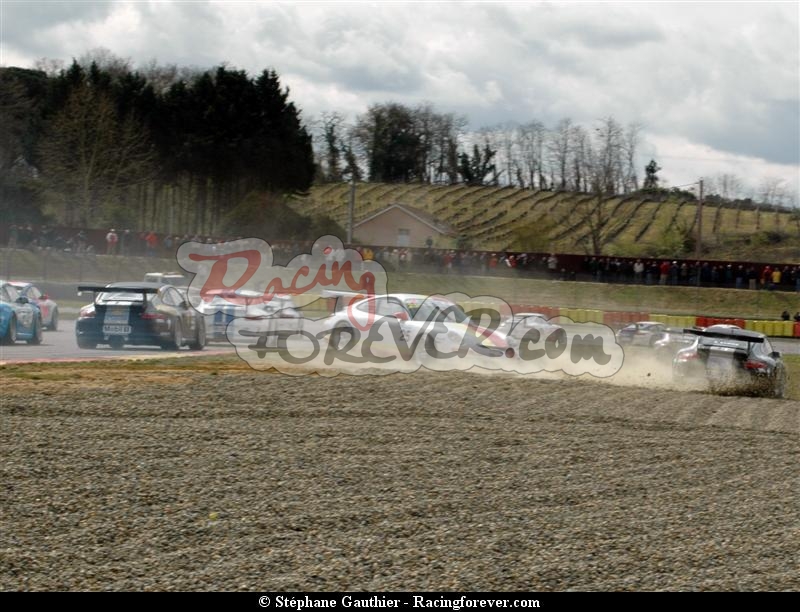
column 491, row 218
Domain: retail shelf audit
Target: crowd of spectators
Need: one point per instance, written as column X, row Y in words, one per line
column 645, row 271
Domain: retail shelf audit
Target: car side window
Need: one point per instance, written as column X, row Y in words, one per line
column 176, row 295
column 766, row 347
column 397, row 306
column 166, row 298
column 387, row 309
column 369, row 306
column 32, row 293
column 171, row 297
column 11, row 293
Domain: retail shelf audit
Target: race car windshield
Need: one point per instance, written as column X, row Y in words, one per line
column 436, row 310
column 120, row 297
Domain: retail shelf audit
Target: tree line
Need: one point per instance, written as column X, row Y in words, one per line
column 98, row 143
column 396, row 143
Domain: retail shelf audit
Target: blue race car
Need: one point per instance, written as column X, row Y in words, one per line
column 20, row 319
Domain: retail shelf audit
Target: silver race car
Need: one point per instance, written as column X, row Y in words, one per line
column 732, row 360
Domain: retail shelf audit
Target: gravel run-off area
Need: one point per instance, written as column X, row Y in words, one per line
column 230, row 479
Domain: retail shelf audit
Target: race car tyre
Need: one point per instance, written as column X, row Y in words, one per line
column 177, row 339
column 86, row 344
column 37, row 332
column 336, row 335
column 199, row 342
column 53, row 321
column 116, row 342
column 11, row 332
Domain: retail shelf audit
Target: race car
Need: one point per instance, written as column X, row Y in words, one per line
column 673, row 340
column 47, row 306
column 166, row 278
column 731, row 359
column 20, row 319
column 643, row 333
column 444, row 325
column 522, row 323
column 227, row 305
column 139, row 314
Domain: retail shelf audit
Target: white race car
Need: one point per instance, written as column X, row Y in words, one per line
column 642, row 333
column 227, row 305
column 437, row 326
column 521, row 324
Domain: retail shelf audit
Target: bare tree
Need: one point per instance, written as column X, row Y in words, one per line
column 448, row 129
column 530, row 144
column 630, row 144
column 727, row 186
column 608, row 161
column 581, row 156
column 559, row 145
column 90, row 156
column 51, row 67
column 772, row 191
column 106, row 61
column 330, row 140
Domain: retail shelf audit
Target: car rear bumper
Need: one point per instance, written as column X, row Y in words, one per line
column 143, row 333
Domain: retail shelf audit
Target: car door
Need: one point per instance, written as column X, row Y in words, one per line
column 35, row 296
column 185, row 313
column 24, row 312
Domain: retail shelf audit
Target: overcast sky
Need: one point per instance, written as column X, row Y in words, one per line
column 716, row 86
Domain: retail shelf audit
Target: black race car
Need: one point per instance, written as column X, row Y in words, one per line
column 139, row 314
column 732, row 360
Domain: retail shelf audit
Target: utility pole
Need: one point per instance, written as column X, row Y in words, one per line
column 350, row 209
column 698, row 247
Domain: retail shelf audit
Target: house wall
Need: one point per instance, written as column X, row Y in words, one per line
column 382, row 231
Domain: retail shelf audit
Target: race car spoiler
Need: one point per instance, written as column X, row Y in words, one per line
column 145, row 291
column 723, row 335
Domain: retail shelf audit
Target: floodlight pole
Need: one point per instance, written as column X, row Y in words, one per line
column 698, row 247
column 350, row 209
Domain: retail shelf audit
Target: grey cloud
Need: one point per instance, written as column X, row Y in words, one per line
column 773, row 136
column 22, row 20
column 23, row 17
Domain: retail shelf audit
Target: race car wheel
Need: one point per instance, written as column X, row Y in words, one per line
column 336, row 336
column 177, row 338
column 53, row 321
column 37, row 332
column 116, row 342
column 86, row 344
column 11, row 332
column 199, row 342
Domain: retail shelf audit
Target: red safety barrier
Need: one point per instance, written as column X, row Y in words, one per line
column 608, row 318
column 702, row 321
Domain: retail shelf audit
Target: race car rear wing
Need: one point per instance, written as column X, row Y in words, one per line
column 95, row 289
column 724, row 335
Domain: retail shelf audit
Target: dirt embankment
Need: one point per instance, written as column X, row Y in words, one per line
column 240, row 480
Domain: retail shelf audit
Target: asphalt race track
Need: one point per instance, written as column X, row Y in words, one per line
column 61, row 346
